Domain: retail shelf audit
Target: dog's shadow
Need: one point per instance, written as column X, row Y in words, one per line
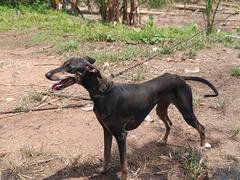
column 150, row 161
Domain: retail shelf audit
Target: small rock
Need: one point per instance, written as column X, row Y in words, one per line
column 155, row 49
column 192, row 70
column 9, row 99
column 105, row 64
column 149, row 119
column 51, row 57
column 88, row 107
column 207, row 146
column 2, row 154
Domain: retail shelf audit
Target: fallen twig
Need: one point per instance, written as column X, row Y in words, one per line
column 48, row 47
column 42, row 103
column 46, row 64
column 20, row 85
column 42, row 109
column 43, row 161
column 65, row 96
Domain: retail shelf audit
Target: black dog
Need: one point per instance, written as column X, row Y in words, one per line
column 122, row 107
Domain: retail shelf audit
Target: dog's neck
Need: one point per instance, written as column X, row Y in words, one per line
column 105, row 85
column 98, row 87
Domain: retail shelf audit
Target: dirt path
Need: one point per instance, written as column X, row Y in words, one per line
column 65, row 135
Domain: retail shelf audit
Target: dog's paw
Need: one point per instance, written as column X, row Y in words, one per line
column 117, row 176
column 162, row 142
column 102, row 170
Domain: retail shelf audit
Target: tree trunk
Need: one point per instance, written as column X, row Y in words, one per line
column 112, row 11
column 55, row 4
column 125, row 14
column 116, row 11
column 209, row 16
column 134, row 18
column 89, row 6
column 103, row 9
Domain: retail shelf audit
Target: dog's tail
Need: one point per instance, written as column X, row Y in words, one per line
column 202, row 80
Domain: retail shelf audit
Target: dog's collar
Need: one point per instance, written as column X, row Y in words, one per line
column 105, row 86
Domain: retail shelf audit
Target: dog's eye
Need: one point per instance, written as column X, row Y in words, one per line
column 67, row 65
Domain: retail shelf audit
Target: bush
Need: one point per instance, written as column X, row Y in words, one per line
column 155, row 3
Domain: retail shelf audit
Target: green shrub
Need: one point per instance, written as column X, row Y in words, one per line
column 156, row 3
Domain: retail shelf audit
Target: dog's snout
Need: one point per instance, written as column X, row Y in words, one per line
column 48, row 75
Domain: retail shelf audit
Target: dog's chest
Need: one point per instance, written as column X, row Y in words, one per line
column 102, row 110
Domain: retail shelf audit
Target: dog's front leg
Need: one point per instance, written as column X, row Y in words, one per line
column 121, row 141
column 107, row 148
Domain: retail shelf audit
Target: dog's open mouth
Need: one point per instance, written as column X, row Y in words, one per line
column 64, row 83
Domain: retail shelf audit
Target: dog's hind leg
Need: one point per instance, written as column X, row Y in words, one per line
column 163, row 115
column 185, row 106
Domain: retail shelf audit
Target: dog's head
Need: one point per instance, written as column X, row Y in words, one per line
column 74, row 70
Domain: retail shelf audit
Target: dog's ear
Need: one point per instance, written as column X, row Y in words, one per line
column 92, row 69
column 95, row 71
column 90, row 59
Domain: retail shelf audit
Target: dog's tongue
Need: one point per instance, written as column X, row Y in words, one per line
column 58, row 86
column 63, row 83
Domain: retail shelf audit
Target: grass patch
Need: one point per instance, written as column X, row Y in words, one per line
column 33, row 97
column 67, row 46
column 28, row 151
column 27, row 101
column 66, row 32
column 190, row 54
column 227, row 38
column 236, row 130
column 235, row 71
column 128, row 53
column 221, row 105
column 138, row 76
column 197, row 101
column 60, row 24
column 155, row 3
column 193, row 163
column 20, row 108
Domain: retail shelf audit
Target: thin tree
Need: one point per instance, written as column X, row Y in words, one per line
column 125, row 13
column 103, row 9
column 134, row 13
column 211, row 15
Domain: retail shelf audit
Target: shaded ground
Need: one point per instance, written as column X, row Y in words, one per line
column 68, row 143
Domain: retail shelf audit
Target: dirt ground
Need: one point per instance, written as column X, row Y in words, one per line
column 68, row 143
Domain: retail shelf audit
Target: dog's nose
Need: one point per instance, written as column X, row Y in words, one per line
column 48, row 75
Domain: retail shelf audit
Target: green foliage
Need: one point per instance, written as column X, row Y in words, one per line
column 228, row 39
column 59, row 24
column 236, row 130
column 67, row 46
column 238, row 31
column 167, row 50
column 192, row 165
column 190, row 53
column 150, row 22
column 20, row 108
column 196, row 101
column 138, row 76
column 235, row 71
column 33, row 97
column 38, row 6
column 126, row 54
column 192, row 162
column 155, row 3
